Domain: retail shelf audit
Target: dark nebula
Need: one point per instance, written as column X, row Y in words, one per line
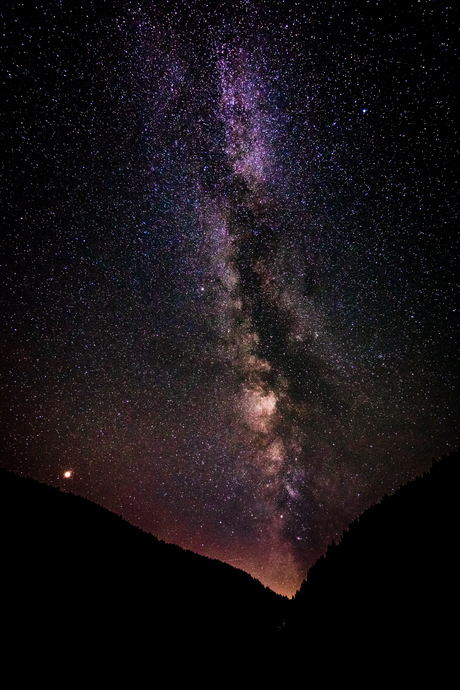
column 229, row 264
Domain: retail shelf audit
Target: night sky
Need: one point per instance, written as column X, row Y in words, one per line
column 229, row 250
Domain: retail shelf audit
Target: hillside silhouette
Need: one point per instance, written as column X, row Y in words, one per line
column 86, row 592
column 80, row 582
column 383, row 604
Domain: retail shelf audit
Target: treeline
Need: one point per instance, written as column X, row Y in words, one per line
column 78, row 580
column 384, row 602
column 83, row 590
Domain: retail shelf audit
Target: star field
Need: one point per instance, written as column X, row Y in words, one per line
column 229, row 264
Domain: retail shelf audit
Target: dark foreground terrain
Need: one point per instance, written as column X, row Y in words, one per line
column 87, row 595
column 383, row 605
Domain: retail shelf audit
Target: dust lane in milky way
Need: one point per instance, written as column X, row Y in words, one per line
column 230, row 308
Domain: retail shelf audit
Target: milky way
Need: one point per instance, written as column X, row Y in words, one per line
column 229, row 289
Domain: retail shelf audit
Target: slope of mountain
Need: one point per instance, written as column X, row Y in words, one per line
column 79, row 582
column 384, row 602
column 84, row 592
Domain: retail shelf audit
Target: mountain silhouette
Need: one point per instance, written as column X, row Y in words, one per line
column 86, row 593
column 79, row 582
column 384, row 602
